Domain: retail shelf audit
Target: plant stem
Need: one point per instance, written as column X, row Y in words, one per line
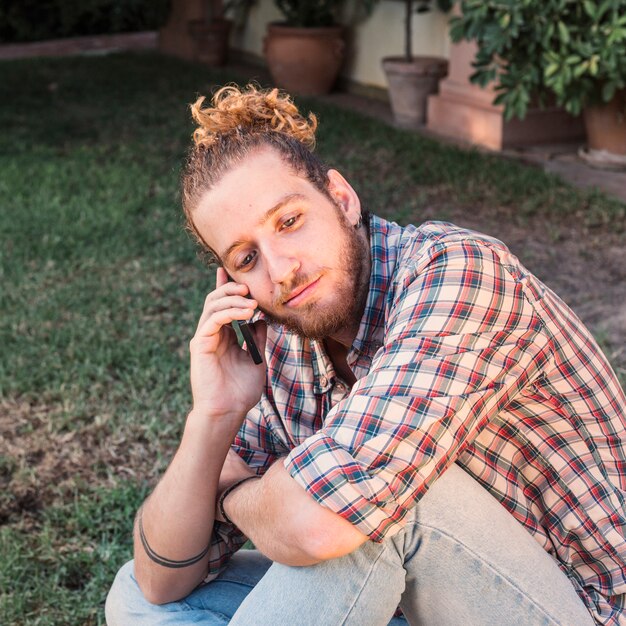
column 408, row 43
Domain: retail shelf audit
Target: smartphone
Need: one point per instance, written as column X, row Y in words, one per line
column 244, row 335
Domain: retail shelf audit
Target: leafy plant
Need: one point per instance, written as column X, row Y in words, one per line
column 317, row 13
column 34, row 20
column 567, row 51
column 217, row 9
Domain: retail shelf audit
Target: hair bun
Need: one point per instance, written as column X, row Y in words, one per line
column 250, row 110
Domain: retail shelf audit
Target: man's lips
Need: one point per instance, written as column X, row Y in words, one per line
column 301, row 293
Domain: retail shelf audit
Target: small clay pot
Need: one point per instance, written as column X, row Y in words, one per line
column 410, row 84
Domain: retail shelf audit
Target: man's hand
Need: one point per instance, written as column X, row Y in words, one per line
column 178, row 517
column 224, row 379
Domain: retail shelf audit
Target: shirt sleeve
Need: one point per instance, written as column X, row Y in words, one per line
column 461, row 339
column 259, row 448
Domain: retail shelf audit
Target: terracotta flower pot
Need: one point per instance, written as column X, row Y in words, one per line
column 606, row 128
column 305, row 61
column 410, row 84
column 210, row 40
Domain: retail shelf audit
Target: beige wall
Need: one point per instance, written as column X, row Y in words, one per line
column 382, row 34
column 251, row 39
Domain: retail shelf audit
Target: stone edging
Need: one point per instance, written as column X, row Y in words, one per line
column 145, row 40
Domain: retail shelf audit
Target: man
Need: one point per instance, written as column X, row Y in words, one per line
column 431, row 426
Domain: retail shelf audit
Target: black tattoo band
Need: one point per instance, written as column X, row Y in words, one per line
column 220, row 502
column 161, row 560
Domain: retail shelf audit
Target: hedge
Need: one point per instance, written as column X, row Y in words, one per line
column 37, row 20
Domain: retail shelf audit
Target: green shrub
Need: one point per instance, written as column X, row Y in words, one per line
column 36, row 20
column 571, row 52
column 308, row 14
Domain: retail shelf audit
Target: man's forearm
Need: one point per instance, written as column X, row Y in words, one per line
column 286, row 524
column 178, row 517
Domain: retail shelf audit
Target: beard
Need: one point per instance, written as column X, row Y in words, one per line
column 320, row 321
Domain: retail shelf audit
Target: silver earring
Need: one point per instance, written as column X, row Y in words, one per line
column 359, row 222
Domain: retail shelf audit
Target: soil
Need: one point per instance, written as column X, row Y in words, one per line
column 39, row 465
column 585, row 265
column 42, row 464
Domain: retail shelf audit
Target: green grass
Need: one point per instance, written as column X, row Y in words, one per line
column 59, row 574
column 101, row 289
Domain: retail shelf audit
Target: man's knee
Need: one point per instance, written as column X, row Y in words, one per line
column 124, row 597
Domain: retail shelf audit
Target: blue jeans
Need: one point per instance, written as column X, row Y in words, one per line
column 461, row 559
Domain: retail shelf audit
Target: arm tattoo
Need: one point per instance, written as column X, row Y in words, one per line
column 161, row 560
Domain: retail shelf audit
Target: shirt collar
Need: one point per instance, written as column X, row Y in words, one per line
column 370, row 335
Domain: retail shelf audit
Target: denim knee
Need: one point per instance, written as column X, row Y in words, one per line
column 123, row 597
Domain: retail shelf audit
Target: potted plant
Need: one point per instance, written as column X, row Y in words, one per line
column 569, row 53
column 305, row 52
column 412, row 79
column 211, row 34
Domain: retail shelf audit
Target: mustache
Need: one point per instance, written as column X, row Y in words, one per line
column 286, row 290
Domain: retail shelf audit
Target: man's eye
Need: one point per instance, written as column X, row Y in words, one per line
column 247, row 260
column 288, row 223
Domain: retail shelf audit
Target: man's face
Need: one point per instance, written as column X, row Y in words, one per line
column 295, row 248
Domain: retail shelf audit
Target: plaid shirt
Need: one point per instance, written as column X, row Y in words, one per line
column 463, row 356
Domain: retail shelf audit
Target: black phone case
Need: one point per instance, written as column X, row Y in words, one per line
column 246, row 333
column 251, row 346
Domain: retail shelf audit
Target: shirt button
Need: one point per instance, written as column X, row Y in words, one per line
column 323, row 381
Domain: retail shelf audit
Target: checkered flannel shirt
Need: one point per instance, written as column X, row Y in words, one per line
column 463, row 356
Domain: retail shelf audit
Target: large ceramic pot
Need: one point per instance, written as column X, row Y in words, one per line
column 606, row 129
column 410, row 84
column 304, row 61
column 210, row 40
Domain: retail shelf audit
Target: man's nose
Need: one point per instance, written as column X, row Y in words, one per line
column 281, row 267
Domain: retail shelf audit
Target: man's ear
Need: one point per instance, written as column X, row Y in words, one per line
column 345, row 196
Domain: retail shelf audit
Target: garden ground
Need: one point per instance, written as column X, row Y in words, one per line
column 101, row 289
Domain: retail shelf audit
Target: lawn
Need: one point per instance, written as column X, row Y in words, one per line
column 101, row 288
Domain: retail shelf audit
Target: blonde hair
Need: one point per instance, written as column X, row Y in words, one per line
column 239, row 122
column 252, row 110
